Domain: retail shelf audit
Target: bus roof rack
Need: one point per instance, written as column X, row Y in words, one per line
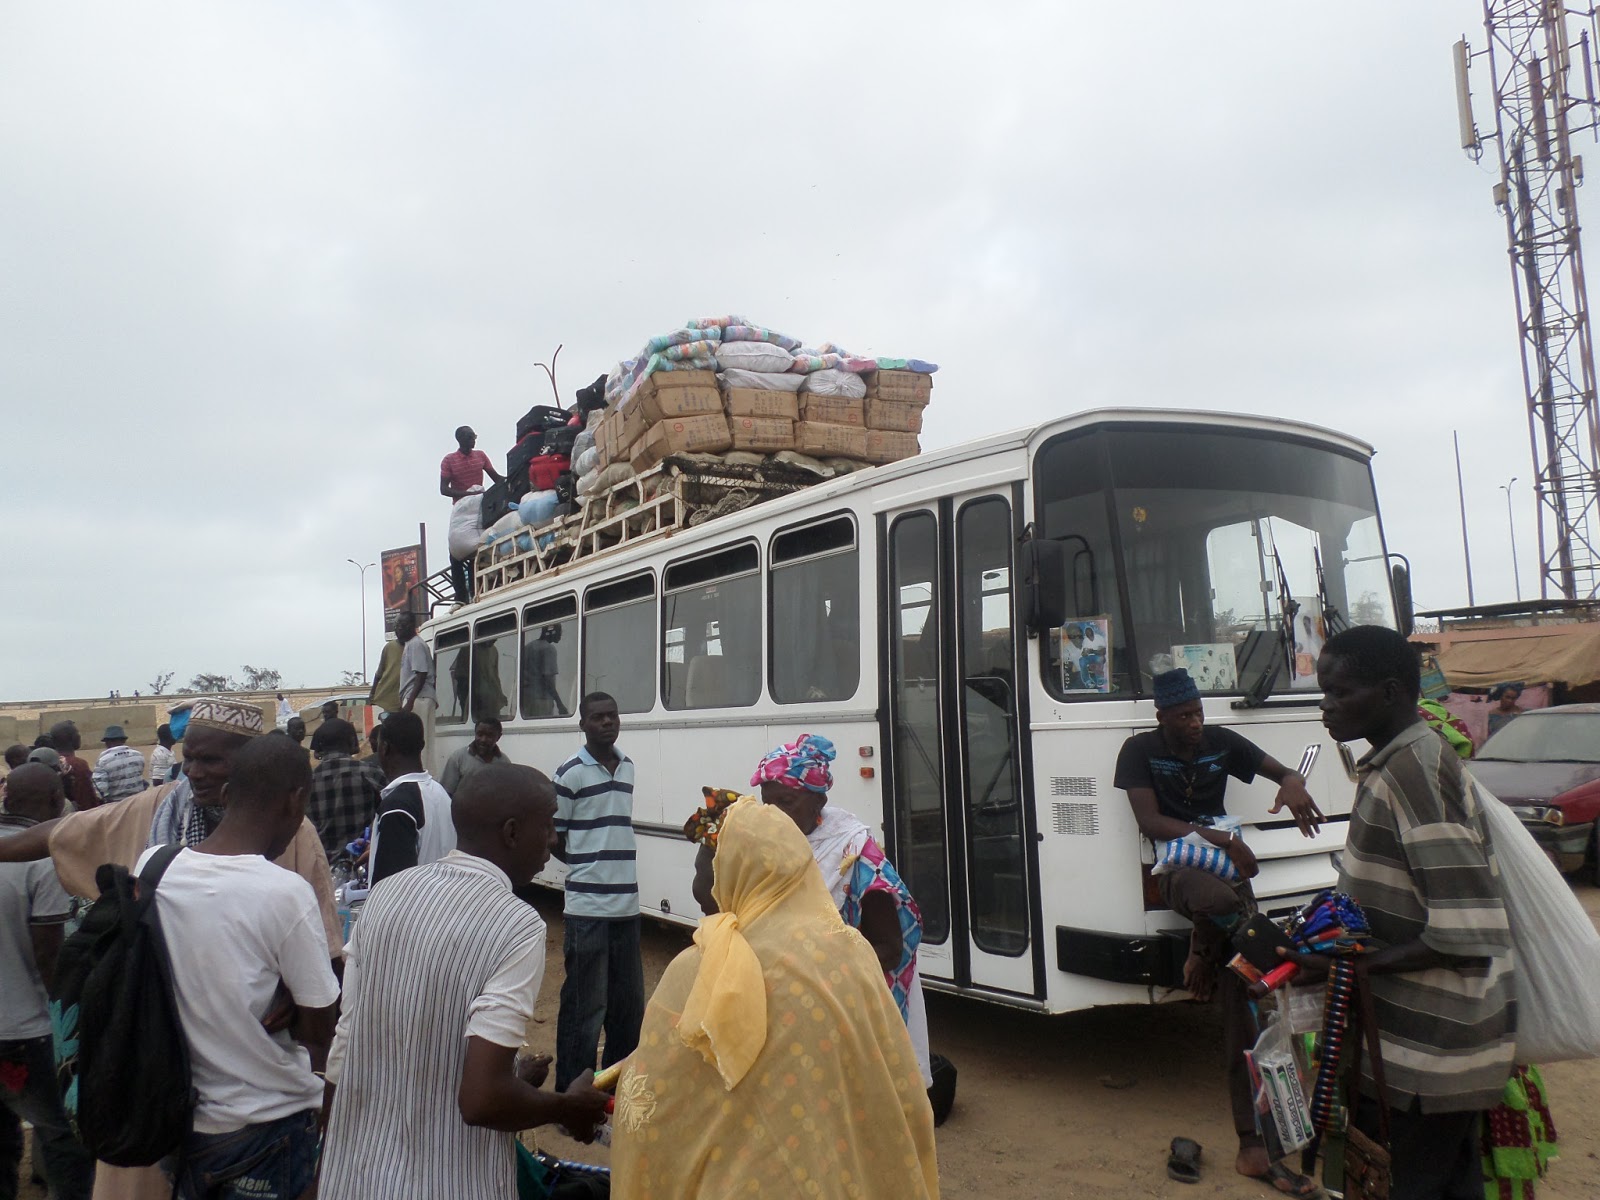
column 682, row 492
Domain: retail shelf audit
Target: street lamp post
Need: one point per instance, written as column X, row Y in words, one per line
column 363, row 570
column 1512, row 526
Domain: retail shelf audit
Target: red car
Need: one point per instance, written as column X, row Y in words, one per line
column 1545, row 764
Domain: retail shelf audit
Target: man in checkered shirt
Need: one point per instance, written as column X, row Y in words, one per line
column 344, row 788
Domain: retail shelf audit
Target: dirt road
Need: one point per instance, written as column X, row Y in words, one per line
column 1086, row 1104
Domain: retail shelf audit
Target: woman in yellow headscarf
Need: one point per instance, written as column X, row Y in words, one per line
column 772, row 1060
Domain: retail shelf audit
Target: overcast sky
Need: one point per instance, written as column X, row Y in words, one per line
column 258, row 260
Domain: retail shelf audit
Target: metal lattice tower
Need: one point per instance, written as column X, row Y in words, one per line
column 1531, row 51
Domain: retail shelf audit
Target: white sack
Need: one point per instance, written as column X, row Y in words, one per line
column 831, row 382
column 1557, row 946
column 762, row 381
column 753, row 356
column 466, row 526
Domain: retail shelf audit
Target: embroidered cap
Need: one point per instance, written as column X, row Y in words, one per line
column 230, row 716
column 1173, row 688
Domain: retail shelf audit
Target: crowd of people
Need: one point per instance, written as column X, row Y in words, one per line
column 784, row 1053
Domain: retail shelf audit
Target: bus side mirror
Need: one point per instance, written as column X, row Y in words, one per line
column 1044, row 584
column 1404, row 611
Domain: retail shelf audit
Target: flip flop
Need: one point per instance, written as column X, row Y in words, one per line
column 1300, row 1186
column 1183, row 1164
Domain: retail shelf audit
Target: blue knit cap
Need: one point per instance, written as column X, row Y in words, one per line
column 1174, row 687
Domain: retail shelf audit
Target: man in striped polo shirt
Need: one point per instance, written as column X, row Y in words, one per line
column 604, row 985
column 1420, row 863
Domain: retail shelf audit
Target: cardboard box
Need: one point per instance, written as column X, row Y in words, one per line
column 707, row 433
column 897, row 415
column 762, row 434
column 643, row 411
column 909, row 387
column 821, row 440
column 886, row 446
column 832, row 410
column 756, row 402
column 672, row 381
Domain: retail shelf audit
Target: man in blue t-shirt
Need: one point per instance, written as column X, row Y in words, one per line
column 604, row 985
column 1176, row 776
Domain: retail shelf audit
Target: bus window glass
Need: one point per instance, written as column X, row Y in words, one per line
column 997, row 877
column 550, row 659
column 711, row 631
column 1071, row 484
column 816, row 613
column 452, row 656
column 619, row 636
column 1227, row 537
column 1227, row 533
column 921, row 852
column 494, row 668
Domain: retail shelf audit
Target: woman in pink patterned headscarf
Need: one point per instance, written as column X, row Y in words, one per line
column 869, row 892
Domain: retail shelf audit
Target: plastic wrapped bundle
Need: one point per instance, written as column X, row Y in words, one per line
column 753, row 356
column 834, row 382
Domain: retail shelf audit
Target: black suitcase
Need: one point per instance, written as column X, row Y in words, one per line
column 497, row 501
column 541, row 417
column 517, row 460
column 559, row 441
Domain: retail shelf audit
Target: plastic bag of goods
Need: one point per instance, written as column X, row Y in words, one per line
column 466, row 526
column 1557, row 947
column 681, row 337
column 753, row 356
column 588, row 461
column 762, row 381
column 718, row 323
column 503, row 528
column 743, row 331
column 538, row 507
column 833, row 382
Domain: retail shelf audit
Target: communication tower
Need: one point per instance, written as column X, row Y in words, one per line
column 1540, row 57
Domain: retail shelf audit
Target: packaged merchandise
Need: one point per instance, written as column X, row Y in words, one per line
column 832, row 410
column 894, row 414
column 762, row 433
column 822, row 440
column 753, row 402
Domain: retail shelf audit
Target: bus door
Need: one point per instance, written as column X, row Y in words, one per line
column 960, row 820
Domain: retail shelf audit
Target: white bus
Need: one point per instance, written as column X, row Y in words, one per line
column 976, row 630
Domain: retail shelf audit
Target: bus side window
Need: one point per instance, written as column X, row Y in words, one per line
column 711, row 630
column 452, row 658
column 815, row 582
column 494, row 667
column 549, row 679
column 619, row 636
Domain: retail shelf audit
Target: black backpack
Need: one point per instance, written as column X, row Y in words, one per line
column 135, row 1096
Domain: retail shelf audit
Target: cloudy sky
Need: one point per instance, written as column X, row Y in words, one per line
column 258, row 260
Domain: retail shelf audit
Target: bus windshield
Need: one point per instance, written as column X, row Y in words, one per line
column 1186, row 546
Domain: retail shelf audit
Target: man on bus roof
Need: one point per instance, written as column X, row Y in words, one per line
column 1176, row 777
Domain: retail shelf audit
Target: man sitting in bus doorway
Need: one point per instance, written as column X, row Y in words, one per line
column 1176, row 777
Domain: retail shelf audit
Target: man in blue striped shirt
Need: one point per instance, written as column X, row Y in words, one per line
column 604, row 986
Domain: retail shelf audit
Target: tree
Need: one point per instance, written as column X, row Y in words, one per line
column 210, row 683
column 159, row 687
column 351, row 679
column 261, row 679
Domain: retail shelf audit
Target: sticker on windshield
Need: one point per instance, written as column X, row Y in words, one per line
column 1086, row 654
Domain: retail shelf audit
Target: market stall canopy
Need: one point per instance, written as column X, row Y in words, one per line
column 1481, row 658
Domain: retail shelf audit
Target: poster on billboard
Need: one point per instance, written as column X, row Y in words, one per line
column 403, row 572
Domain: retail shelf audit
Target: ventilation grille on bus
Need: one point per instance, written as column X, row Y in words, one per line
column 1076, row 820
column 1073, row 785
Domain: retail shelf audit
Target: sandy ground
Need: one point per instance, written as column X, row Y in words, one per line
column 1085, row 1104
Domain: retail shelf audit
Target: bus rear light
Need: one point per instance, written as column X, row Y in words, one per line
column 864, row 751
column 867, row 772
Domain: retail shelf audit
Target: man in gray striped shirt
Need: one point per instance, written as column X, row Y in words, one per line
column 1420, row 864
column 604, row 985
column 425, row 1087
